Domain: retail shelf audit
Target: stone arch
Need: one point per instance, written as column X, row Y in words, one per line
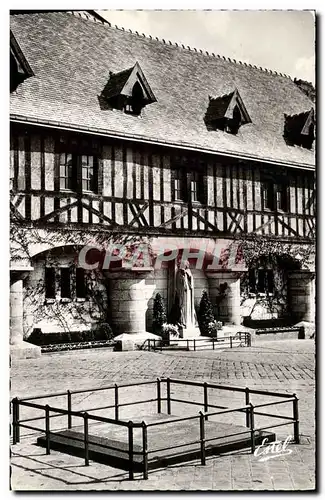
column 68, row 309
column 270, row 288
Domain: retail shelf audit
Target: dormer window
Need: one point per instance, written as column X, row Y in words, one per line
column 19, row 67
column 128, row 91
column 227, row 113
column 136, row 102
column 233, row 124
column 299, row 129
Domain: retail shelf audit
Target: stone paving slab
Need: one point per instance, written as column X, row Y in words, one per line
column 278, row 366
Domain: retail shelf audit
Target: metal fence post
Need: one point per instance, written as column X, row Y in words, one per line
column 69, row 410
column 247, row 403
column 194, row 345
column 230, row 340
column 130, row 437
column 252, row 427
column 145, row 449
column 158, row 395
column 15, row 423
column 47, row 429
column 86, row 443
column 296, row 419
column 17, row 420
column 168, row 397
column 116, row 402
column 202, row 438
column 205, row 396
column 213, row 344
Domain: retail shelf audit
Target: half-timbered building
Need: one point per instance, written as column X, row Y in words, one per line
column 118, row 136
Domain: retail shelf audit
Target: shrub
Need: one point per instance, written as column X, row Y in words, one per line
column 36, row 337
column 100, row 332
column 205, row 314
column 104, row 332
column 159, row 314
column 65, row 338
column 77, row 336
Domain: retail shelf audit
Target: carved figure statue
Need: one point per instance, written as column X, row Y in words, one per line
column 185, row 294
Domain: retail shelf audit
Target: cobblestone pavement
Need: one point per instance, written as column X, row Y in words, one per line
column 285, row 365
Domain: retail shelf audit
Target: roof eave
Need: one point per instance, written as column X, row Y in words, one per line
column 137, row 138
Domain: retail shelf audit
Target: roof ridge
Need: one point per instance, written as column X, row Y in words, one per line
column 178, row 45
column 200, row 51
column 181, row 45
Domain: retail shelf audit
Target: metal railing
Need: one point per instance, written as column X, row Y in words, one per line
column 243, row 338
column 249, row 410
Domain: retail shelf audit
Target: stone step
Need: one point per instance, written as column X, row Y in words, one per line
column 206, row 343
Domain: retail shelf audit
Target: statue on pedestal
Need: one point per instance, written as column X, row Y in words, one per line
column 185, row 295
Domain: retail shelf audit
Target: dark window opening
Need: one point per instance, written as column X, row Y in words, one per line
column 282, row 198
column 81, row 289
column 135, row 104
column 50, row 283
column 89, row 177
column 68, row 172
column 307, row 140
column 234, row 123
column 298, row 132
column 16, row 77
column 70, row 164
column 65, row 279
column 180, row 188
column 265, row 281
column 261, row 281
column 197, row 187
column 268, row 195
column 194, row 188
column 189, row 186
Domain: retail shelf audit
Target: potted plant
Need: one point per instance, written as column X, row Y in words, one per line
column 170, row 333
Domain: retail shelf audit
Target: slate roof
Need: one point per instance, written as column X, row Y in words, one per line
column 72, row 59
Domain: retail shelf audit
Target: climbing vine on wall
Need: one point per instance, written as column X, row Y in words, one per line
column 29, row 244
column 258, row 252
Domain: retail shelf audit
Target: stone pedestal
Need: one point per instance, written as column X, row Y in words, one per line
column 227, row 307
column 189, row 333
column 301, row 290
column 19, row 348
column 129, row 304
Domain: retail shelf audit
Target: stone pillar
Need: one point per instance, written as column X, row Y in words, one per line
column 16, row 312
column 233, row 300
column 302, row 295
column 228, row 305
column 128, row 300
column 19, row 348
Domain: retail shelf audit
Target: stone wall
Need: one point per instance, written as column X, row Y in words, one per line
column 302, row 295
column 57, row 315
